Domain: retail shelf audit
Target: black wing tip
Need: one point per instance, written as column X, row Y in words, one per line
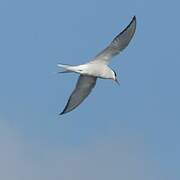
column 133, row 20
column 63, row 112
column 65, row 109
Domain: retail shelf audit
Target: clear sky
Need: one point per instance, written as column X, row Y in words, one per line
column 129, row 132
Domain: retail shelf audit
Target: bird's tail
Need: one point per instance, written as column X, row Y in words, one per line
column 67, row 68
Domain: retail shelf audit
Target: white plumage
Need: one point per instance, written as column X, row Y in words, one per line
column 97, row 67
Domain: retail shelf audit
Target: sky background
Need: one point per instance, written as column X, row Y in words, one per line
column 129, row 132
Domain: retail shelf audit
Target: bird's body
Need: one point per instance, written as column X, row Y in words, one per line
column 97, row 67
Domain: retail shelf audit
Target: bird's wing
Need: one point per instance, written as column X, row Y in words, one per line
column 119, row 43
column 83, row 88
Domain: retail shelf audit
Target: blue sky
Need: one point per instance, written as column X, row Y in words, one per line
column 127, row 132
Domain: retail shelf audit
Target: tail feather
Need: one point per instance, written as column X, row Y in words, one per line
column 68, row 68
column 65, row 66
column 65, row 71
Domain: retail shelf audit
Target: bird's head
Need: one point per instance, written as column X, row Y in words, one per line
column 115, row 78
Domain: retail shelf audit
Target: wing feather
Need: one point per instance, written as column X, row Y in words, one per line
column 83, row 88
column 119, row 43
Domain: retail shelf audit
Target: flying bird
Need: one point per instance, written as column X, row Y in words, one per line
column 97, row 67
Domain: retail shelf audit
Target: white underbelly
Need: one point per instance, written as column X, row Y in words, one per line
column 97, row 70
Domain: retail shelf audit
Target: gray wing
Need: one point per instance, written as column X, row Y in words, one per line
column 119, row 43
column 83, row 88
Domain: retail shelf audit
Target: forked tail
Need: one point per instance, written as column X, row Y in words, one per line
column 66, row 67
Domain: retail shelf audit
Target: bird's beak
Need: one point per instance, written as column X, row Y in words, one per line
column 116, row 80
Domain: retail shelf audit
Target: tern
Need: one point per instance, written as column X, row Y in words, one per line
column 97, row 67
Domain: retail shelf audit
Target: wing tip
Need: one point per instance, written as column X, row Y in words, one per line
column 65, row 110
column 134, row 17
column 61, row 113
column 133, row 20
column 132, row 23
